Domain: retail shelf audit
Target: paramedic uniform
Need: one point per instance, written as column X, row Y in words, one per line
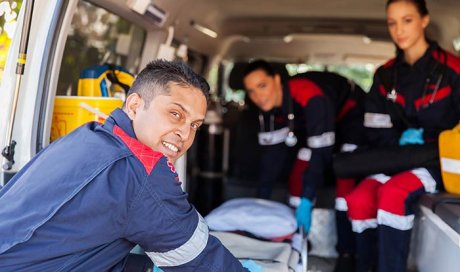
column 82, row 204
column 385, row 201
column 328, row 112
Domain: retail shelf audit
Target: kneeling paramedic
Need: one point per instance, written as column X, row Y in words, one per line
column 86, row 200
column 316, row 113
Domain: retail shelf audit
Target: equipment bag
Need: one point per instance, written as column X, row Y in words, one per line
column 449, row 154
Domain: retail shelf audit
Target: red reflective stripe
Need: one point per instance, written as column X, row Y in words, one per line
column 399, row 98
column 347, row 106
column 393, row 194
column 145, row 154
column 302, row 90
column 440, row 94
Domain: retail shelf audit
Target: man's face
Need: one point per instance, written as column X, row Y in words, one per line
column 264, row 90
column 170, row 122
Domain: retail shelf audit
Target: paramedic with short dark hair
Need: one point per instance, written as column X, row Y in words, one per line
column 323, row 111
column 86, row 200
column 414, row 97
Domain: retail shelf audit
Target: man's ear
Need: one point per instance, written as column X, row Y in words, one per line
column 133, row 103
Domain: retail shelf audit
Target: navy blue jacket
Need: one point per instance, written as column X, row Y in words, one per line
column 420, row 101
column 328, row 111
column 82, row 203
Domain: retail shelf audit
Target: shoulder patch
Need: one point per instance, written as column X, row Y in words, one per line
column 145, row 154
column 303, row 90
column 389, row 63
column 453, row 62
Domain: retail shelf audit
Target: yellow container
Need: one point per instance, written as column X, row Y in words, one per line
column 71, row 112
column 449, row 153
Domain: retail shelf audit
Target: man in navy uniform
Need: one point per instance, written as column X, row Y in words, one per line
column 86, row 200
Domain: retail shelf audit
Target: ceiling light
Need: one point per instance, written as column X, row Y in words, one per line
column 367, row 40
column 211, row 33
column 288, row 38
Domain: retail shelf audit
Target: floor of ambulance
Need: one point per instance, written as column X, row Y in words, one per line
column 319, row 264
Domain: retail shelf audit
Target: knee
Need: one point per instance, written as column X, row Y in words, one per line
column 358, row 200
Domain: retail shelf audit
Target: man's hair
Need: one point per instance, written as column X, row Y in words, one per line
column 156, row 79
column 259, row 65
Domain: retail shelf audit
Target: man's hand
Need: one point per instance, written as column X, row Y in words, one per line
column 411, row 136
column 303, row 214
column 251, row 266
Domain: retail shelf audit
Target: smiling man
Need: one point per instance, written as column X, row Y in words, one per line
column 86, row 200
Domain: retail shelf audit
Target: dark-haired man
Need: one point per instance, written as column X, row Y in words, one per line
column 82, row 203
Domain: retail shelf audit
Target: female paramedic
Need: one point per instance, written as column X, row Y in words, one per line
column 414, row 97
column 319, row 112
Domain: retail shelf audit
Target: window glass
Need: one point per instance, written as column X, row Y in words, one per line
column 361, row 74
column 9, row 11
column 98, row 37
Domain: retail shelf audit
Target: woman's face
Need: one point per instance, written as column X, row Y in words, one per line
column 263, row 89
column 406, row 25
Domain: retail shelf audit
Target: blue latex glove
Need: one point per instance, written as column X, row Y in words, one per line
column 156, row 269
column 251, row 266
column 411, row 136
column 303, row 214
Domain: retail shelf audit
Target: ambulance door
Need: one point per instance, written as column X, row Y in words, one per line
column 49, row 26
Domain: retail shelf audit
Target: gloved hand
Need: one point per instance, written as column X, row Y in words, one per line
column 411, row 136
column 156, row 269
column 251, row 266
column 303, row 214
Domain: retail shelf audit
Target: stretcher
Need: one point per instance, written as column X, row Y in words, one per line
column 264, row 231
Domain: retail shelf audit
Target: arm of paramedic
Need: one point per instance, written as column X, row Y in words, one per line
column 377, row 120
column 171, row 231
column 319, row 116
column 456, row 94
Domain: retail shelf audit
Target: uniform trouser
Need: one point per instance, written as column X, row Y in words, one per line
column 380, row 209
column 345, row 238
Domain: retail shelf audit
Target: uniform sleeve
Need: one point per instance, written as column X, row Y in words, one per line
column 377, row 120
column 456, row 95
column 170, row 230
column 320, row 120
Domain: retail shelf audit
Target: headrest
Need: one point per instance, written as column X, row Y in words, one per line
column 235, row 79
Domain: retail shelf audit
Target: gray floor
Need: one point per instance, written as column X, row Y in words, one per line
column 318, row 264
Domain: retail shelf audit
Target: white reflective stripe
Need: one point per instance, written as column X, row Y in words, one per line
column 186, row 252
column 323, row 140
column 341, row 204
column 377, row 120
column 382, row 178
column 450, row 165
column 294, row 201
column 359, row 226
column 426, row 179
column 273, row 137
column 304, row 154
column 400, row 222
column 348, row 147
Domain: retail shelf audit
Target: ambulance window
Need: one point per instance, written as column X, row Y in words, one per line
column 97, row 37
column 360, row 73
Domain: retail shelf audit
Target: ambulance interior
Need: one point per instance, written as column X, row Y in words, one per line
column 215, row 38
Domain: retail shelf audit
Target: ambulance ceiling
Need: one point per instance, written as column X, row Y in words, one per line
column 294, row 29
